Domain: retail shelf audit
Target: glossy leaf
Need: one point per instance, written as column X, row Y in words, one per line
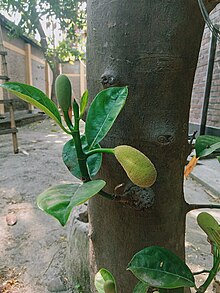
column 160, row 268
column 70, row 158
column 210, row 150
column 101, row 277
column 83, row 103
column 102, row 113
column 58, row 201
column 141, row 288
column 206, row 144
column 35, row 97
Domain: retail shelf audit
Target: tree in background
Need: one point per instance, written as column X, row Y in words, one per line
column 69, row 15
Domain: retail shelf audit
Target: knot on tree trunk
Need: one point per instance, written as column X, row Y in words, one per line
column 137, row 197
column 109, row 78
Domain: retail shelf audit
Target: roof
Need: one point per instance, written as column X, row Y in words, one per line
column 8, row 25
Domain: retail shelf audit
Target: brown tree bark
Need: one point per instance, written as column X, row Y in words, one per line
column 151, row 46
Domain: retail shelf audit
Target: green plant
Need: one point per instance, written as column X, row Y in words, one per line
column 204, row 146
column 160, row 269
column 82, row 154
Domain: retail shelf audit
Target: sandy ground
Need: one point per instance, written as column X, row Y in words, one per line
column 32, row 252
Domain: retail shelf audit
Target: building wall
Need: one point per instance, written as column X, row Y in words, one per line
column 19, row 66
column 213, row 117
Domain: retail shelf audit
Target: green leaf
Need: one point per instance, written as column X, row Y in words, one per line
column 35, row 97
column 206, row 144
column 160, row 268
column 102, row 113
column 218, row 158
column 209, row 150
column 83, row 103
column 70, row 158
column 58, row 201
column 101, row 277
column 141, row 288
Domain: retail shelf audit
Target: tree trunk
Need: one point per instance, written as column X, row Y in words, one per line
column 152, row 47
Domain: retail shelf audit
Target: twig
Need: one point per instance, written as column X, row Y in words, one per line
column 202, row 206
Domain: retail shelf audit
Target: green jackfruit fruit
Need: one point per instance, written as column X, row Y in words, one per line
column 63, row 90
column 210, row 226
column 109, row 286
column 140, row 170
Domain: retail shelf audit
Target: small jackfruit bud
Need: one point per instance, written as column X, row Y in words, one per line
column 140, row 170
column 109, row 286
column 63, row 92
column 209, row 225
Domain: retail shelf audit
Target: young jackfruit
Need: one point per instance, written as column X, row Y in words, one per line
column 109, row 286
column 209, row 225
column 140, row 170
column 63, row 92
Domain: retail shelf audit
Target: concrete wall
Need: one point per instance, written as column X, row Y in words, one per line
column 17, row 64
column 213, row 118
column 33, row 71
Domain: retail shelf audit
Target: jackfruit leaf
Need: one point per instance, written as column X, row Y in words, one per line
column 83, row 103
column 141, row 288
column 36, row 97
column 103, row 112
column 70, row 158
column 206, row 144
column 161, row 268
column 58, row 201
column 101, row 277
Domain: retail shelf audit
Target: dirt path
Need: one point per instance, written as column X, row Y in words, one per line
column 32, row 252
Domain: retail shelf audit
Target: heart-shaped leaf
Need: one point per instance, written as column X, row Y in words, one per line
column 83, row 103
column 141, row 288
column 102, row 113
column 101, row 278
column 206, row 144
column 70, row 158
column 160, row 268
column 58, row 201
column 36, row 97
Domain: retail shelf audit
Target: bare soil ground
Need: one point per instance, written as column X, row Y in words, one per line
column 32, row 252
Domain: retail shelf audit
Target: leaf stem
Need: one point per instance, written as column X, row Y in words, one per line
column 78, row 144
column 100, row 150
column 82, row 157
column 211, row 276
column 68, row 121
column 201, row 272
column 202, row 206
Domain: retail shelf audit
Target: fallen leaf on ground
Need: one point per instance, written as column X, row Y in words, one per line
column 11, row 219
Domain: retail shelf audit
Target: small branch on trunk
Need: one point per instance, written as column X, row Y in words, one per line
column 210, row 4
column 133, row 196
column 202, row 206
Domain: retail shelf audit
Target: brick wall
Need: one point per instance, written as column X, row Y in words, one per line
column 213, row 117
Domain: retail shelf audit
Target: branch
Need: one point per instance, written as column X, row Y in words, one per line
column 43, row 38
column 202, row 206
column 210, row 4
